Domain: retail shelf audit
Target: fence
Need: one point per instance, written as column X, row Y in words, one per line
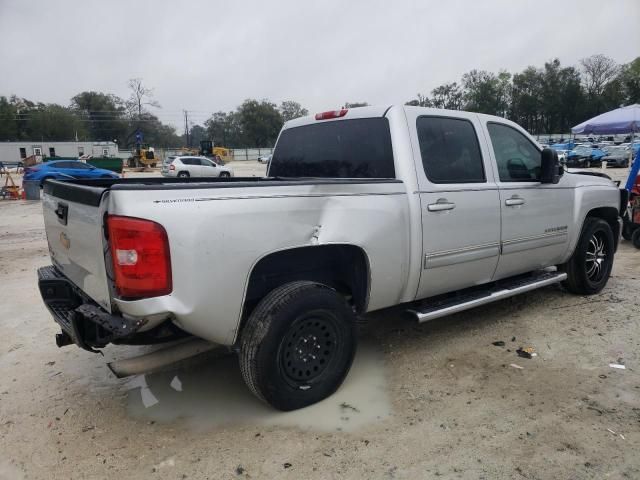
column 244, row 154
column 237, row 154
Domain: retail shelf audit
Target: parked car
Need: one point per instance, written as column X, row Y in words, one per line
column 562, row 156
column 617, row 156
column 65, row 170
column 187, row 166
column 584, row 156
column 264, row 158
column 434, row 210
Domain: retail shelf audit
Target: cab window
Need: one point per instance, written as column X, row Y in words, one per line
column 449, row 150
column 518, row 159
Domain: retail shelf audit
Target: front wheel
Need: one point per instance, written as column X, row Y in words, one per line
column 224, row 175
column 298, row 345
column 587, row 164
column 589, row 267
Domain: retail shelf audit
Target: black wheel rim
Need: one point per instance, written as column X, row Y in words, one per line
column 309, row 347
column 597, row 257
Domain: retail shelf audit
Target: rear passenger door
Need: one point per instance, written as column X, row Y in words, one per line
column 536, row 218
column 193, row 166
column 459, row 202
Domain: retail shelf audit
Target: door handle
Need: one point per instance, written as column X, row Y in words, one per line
column 441, row 205
column 514, row 201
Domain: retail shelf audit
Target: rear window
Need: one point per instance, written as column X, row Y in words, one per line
column 359, row 148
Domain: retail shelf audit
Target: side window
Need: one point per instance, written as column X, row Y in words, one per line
column 518, row 159
column 188, row 161
column 450, row 150
column 80, row 165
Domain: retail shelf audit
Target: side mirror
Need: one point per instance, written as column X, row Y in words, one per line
column 550, row 170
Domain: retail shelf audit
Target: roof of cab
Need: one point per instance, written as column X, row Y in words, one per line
column 358, row 112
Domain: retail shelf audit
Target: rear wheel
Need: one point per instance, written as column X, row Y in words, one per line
column 587, row 164
column 298, row 345
column 183, row 174
column 589, row 267
column 635, row 238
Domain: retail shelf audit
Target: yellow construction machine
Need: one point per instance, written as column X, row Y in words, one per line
column 143, row 156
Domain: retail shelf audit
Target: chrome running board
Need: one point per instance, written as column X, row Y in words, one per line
column 433, row 309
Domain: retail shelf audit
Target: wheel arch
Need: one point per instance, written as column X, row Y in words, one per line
column 609, row 215
column 344, row 267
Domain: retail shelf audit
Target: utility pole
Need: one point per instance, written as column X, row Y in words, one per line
column 186, row 128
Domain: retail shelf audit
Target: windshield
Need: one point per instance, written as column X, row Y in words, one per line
column 359, row 148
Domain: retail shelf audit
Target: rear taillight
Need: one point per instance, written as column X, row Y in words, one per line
column 331, row 114
column 141, row 259
column 172, row 167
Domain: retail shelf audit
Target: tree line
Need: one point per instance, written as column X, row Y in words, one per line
column 90, row 116
column 548, row 99
column 551, row 99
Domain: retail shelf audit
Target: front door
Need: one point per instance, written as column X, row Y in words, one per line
column 459, row 201
column 209, row 169
column 536, row 218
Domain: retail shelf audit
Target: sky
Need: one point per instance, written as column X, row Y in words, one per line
column 207, row 56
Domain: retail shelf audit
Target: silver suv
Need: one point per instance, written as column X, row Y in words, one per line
column 185, row 166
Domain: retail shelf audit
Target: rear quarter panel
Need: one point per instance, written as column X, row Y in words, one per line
column 216, row 236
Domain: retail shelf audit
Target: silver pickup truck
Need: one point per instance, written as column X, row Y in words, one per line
column 361, row 209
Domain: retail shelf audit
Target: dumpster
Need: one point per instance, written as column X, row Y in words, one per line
column 31, row 190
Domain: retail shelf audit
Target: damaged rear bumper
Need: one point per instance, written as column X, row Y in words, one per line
column 82, row 321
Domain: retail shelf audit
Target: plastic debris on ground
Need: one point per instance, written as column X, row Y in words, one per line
column 617, row 365
column 527, row 352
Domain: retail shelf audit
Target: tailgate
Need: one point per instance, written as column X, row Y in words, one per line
column 73, row 220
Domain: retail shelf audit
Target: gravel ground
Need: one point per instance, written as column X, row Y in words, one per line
column 423, row 400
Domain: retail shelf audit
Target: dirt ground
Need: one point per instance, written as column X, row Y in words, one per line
column 422, row 401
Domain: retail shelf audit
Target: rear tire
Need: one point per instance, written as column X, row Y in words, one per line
column 589, row 267
column 635, row 238
column 298, row 345
column 587, row 164
column 183, row 175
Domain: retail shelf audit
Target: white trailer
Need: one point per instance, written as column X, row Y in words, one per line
column 17, row 151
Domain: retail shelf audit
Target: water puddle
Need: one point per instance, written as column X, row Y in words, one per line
column 213, row 394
